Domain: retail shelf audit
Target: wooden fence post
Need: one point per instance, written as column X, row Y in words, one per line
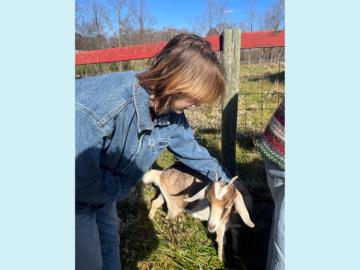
column 231, row 62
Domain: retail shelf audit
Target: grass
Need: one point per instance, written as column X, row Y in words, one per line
column 95, row 69
column 184, row 243
column 163, row 243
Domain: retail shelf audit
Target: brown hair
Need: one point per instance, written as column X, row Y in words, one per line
column 186, row 66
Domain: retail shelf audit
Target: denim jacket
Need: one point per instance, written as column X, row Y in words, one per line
column 117, row 141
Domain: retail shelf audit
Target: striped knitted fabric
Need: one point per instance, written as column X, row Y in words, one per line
column 272, row 143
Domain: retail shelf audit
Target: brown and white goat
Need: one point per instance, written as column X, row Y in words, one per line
column 218, row 203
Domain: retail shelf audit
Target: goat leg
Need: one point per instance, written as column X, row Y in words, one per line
column 156, row 204
column 220, row 239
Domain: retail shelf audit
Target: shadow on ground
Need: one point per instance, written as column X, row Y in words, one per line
column 272, row 77
column 137, row 234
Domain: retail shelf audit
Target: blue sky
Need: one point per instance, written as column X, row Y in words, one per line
column 181, row 13
column 178, row 13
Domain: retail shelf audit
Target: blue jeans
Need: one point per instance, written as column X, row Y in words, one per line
column 97, row 237
column 276, row 250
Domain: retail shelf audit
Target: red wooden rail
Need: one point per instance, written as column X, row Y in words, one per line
column 261, row 39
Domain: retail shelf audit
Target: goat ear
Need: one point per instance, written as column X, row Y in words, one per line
column 241, row 209
column 233, row 180
column 198, row 196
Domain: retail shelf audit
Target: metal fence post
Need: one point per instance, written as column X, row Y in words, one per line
column 231, row 62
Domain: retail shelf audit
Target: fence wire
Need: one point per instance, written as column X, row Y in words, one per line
column 261, row 91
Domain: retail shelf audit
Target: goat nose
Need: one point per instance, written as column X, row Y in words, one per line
column 211, row 227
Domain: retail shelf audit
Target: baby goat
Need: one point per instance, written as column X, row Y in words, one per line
column 220, row 204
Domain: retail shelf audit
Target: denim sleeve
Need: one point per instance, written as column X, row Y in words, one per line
column 94, row 185
column 188, row 151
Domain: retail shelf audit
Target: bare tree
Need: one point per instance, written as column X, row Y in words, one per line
column 144, row 19
column 82, row 21
column 274, row 16
column 97, row 23
column 79, row 25
column 120, row 20
column 210, row 12
column 252, row 18
column 221, row 19
column 214, row 17
column 89, row 22
column 79, row 7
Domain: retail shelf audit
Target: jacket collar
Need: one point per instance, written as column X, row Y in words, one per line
column 141, row 101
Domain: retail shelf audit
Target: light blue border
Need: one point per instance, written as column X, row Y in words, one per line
column 37, row 135
column 322, row 135
column 37, row 146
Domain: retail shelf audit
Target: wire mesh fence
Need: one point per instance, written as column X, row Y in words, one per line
column 261, row 90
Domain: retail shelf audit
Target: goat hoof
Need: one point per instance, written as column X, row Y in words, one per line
column 222, row 258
